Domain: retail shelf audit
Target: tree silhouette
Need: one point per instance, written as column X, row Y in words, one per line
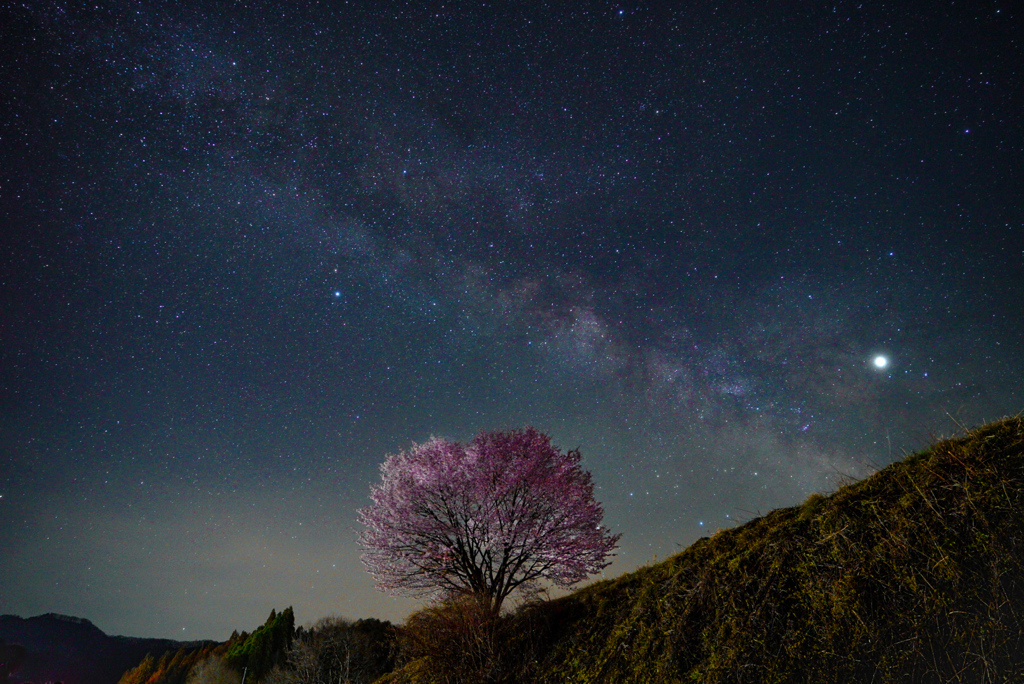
column 265, row 647
column 506, row 510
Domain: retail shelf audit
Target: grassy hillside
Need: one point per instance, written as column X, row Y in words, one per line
column 915, row 574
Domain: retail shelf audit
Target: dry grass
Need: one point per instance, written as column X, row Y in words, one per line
column 915, row 574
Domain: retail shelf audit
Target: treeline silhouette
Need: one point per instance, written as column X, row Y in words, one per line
column 915, row 574
column 332, row 650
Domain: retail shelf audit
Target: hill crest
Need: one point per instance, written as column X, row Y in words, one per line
column 915, row 573
column 75, row 651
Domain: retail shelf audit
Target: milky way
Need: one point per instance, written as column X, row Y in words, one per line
column 249, row 251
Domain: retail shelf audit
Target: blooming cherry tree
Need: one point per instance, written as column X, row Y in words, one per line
column 506, row 510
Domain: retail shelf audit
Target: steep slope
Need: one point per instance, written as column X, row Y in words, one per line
column 915, row 574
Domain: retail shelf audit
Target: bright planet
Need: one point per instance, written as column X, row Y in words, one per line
column 247, row 250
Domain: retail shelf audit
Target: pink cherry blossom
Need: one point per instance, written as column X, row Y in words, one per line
column 506, row 510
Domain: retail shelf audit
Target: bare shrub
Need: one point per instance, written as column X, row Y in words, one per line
column 337, row 651
column 213, row 670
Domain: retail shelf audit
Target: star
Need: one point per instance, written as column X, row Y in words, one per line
column 696, row 294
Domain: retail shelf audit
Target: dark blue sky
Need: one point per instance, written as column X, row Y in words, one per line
column 248, row 249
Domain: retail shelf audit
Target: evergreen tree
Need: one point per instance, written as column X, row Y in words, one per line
column 265, row 647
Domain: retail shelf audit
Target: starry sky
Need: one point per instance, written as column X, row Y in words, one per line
column 247, row 249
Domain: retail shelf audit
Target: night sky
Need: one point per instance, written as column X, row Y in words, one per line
column 248, row 249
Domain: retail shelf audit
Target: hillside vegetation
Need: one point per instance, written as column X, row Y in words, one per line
column 915, row 574
column 332, row 650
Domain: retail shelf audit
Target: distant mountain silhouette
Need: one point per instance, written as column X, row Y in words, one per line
column 75, row 651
